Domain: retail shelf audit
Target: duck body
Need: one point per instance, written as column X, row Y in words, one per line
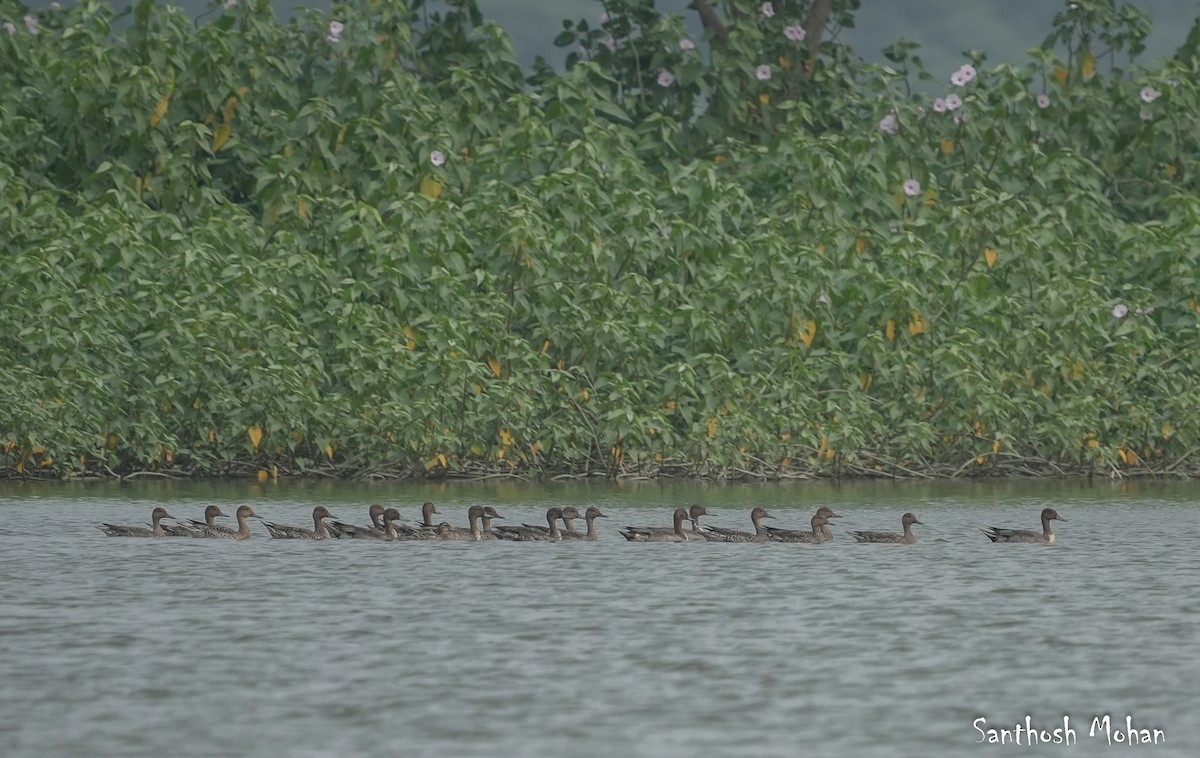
column 906, row 537
column 534, row 533
column 590, row 517
column 819, row 533
column 760, row 533
column 1046, row 536
column 658, row 534
column 318, row 532
column 222, row 532
column 155, row 530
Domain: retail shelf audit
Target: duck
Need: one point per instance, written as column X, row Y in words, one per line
column 426, row 530
column 339, row 530
column 191, row 528
column 473, row 532
column 389, row 531
column 657, row 534
column 489, row 513
column 820, row 531
column 760, row 534
column 220, row 531
column 318, row 532
column 156, row 516
column 800, row 535
column 907, row 537
column 567, row 516
column 534, row 533
column 590, row 516
column 997, row 534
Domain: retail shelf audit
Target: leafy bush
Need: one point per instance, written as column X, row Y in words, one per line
column 363, row 243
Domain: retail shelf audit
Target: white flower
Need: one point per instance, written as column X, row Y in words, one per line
column 953, row 102
column 31, row 23
column 912, row 187
column 1043, row 101
column 1149, row 94
column 1119, row 310
column 665, row 78
column 437, row 157
column 335, row 31
column 686, row 44
column 795, row 33
column 9, row 27
column 767, row 9
column 762, row 73
column 964, row 75
column 889, row 124
column 939, row 105
column 822, row 300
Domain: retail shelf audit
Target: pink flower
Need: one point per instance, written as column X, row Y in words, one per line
column 767, row 9
column 437, row 158
column 1043, row 101
column 953, row 102
column 9, row 27
column 335, row 31
column 912, row 187
column 1119, row 310
column 665, row 78
column 1149, row 94
column 686, row 44
column 762, row 73
column 1144, row 311
column 939, row 105
column 31, row 23
column 963, row 76
column 889, row 124
column 795, row 33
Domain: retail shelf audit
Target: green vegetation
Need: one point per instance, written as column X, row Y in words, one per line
column 384, row 249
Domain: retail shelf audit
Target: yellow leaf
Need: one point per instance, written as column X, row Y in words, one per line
column 111, row 442
column 1088, row 65
column 764, row 98
column 808, row 333
column 980, row 460
column 494, row 365
column 860, row 244
column 946, row 146
column 718, row 158
column 1167, row 431
column 1060, row 74
column 301, row 208
column 1076, row 371
column 275, row 474
column 535, row 448
column 329, row 451
column 989, row 256
column 996, row 446
column 865, row 381
column 713, row 422
column 1093, row 443
column 212, row 436
column 506, row 437
column 1172, row 169
column 1124, row 458
column 256, row 434
column 917, row 325
column 823, row 447
column 170, row 455
column 341, row 138
column 160, row 110
column 889, row 331
column 227, row 111
column 243, row 90
column 431, row 187
column 545, row 347
column 586, row 394
column 221, row 136
column 262, row 475
column 410, row 336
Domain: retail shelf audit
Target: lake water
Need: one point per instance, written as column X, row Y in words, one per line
column 141, row 647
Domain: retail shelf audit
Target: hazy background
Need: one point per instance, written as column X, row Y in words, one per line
column 1003, row 29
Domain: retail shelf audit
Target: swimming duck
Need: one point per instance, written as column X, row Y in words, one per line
column 388, row 532
column 996, row 534
column 156, row 517
column 907, row 521
column 485, row 531
column 590, row 515
column 534, row 533
column 339, row 530
column 318, row 532
column 190, row 528
column 820, row 531
column 473, row 532
column 220, row 531
column 760, row 534
column 657, row 534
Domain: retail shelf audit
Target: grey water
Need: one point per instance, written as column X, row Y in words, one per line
column 182, row 647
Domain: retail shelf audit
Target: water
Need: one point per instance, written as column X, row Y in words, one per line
column 127, row 647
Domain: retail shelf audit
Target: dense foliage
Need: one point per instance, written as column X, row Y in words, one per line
column 367, row 243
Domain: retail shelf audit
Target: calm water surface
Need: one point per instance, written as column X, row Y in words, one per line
column 128, row 647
